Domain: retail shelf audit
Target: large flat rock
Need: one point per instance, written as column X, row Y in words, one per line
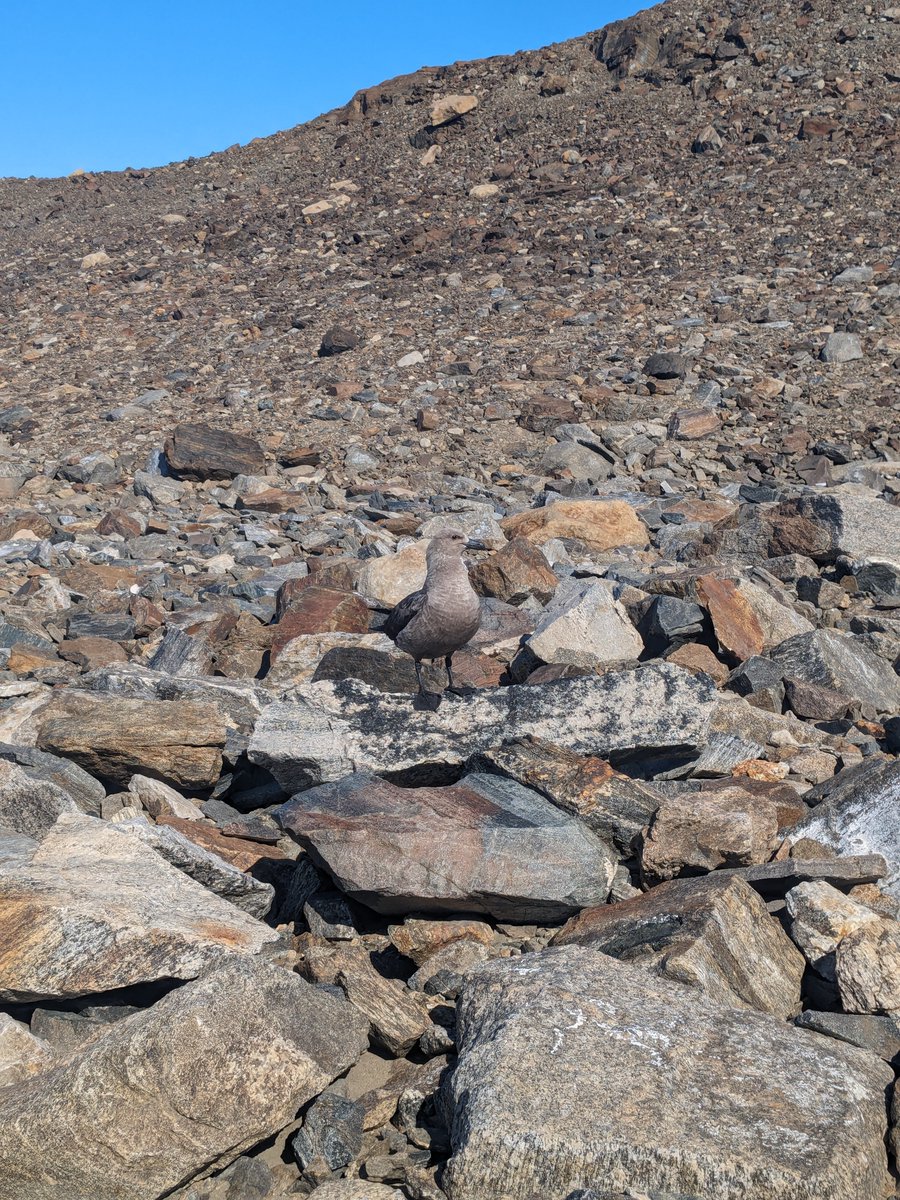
column 178, row 741
column 486, row 844
column 94, row 908
column 327, row 730
column 861, row 816
column 210, row 1070
column 576, row 1071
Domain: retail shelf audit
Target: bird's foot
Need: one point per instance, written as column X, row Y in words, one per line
column 462, row 689
column 426, row 702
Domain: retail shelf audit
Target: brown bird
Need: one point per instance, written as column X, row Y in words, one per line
column 440, row 617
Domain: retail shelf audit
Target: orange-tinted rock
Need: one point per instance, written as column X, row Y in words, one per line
column 514, row 573
column 694, row 656
column 600, row 524
column 319, row 610
column 240, row 852
column 736, row 626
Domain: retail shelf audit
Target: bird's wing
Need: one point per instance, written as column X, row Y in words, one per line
column 401, row 615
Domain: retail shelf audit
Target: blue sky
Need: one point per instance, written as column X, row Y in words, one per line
column 103, row 85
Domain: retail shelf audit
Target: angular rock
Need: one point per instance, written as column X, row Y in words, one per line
column 860, row 816
column 482, row 845
column 841, row 348
column 201, row 452
column 241, row 889
column 613, row 805
column 179, row 742
column 839, row 521
column 450, row 108
column 820, row 918
column 209, row 1071
column 30, row 806
column 696, row 832
column 515, row 573
column 867, row 968
column 585, row 627
column 775, row 879
column 843, row 664
column 86, row 791
column 91, row 909
column 314, row 609
column 21, row 1053
column 881, row 1035
column 600, row 524
column 736, row 625
column 559, row 1051
column 715, row 933
column 330, row 729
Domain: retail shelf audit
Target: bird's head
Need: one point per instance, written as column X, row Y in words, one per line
column 447, row 545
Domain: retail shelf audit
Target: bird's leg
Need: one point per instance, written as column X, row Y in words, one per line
column 451, row 686
column 425, row 701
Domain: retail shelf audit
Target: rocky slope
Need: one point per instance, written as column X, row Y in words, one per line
column 621, row 923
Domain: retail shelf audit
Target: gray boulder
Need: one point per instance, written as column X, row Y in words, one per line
column 207, row 1072
column 576, row 1071
column 715, row 933
column 486, row 844
column 842, row 663
column 28, row 805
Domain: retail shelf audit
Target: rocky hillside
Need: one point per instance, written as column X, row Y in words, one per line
column 624, row 921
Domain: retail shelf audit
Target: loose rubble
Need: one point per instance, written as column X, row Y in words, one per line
column 624, row 918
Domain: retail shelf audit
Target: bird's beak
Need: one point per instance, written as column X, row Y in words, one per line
column 474, row 544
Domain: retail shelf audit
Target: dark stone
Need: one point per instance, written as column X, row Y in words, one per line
column 666, row 365
column 119, row 627
column 337, row 340
column 201, row 452
column 332, row 1130
column 881, row 1035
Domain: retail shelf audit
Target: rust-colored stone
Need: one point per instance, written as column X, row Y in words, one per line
column 736, row 626
column 320, row 610
column 240, row 852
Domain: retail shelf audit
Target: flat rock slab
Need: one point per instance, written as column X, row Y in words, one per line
column 178, row 741
column 576, row 1071
column 327, row 730
column 207, row 1072
column 93, row 908
column 861, row 817
column 201, row 452
column 485, row 844
column 715, row 933
column 775, row 879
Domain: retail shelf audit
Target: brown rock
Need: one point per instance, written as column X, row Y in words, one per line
column 600, row 524
column 688, row 424
column 178, row 741
column 201, row 452
column 421, row 940
column 91, row 652
column 694, row 656
column 514, row 573
column 614, row 806
column 117, row 520
column 814, row 701
column 736, row 626
column 714, row 932
column 240, row 852
column 315, row 609
column 700, row 831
